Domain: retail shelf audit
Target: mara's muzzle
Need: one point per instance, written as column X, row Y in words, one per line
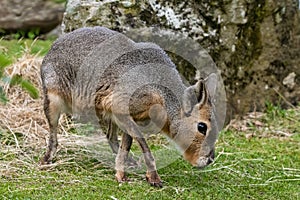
column 203, row 161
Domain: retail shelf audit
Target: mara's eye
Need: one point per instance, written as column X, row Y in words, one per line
column 202, row 128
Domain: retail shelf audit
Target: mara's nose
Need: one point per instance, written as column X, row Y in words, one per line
column 211, row 157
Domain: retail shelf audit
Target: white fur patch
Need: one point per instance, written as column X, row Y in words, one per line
column 202, row 162
column 58, row 102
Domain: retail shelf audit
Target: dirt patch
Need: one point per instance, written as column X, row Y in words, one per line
column 278, row 124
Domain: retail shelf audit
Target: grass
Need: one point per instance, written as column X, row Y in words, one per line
column 258, row 157
column 259, row 168
column 10, row 50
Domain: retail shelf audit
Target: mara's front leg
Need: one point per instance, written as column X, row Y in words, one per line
column 127, row 123
column 151, row 174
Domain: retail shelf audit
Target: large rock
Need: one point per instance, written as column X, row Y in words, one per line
column 27, row 15
column 255, row 44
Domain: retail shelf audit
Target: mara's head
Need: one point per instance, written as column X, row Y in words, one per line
column 196, row 134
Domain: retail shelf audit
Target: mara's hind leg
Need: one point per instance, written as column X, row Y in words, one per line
column 111, row 133
column 122, row 156
column 52, row 108
column 112, row 136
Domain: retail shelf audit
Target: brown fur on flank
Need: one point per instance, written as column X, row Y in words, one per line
column 133, row 86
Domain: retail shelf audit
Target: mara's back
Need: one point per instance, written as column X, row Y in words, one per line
column 67, row 53
column 93, row 60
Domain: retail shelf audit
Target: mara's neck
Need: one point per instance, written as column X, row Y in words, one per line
column 173, row 111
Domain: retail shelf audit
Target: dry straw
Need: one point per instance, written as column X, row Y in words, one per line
column 22, row 117
column 22, row 114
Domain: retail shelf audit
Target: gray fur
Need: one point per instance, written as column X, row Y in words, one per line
column 104, row 72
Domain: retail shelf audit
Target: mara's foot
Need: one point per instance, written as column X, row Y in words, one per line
column 121, row 176
column 154, row 179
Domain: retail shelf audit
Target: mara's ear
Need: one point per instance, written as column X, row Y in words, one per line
column 195, row 94
column 211, row 83
column 199, row 93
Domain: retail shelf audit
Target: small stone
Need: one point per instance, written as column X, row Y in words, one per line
column 128, row 4
column 249, row 136
column 289, row 81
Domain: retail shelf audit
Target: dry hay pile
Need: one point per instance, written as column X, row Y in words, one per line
column 22, row 117
column 23, row 127
column 23, row 114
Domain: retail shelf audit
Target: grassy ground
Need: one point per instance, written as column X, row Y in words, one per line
column 258, row 157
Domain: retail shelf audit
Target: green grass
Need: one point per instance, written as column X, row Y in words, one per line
column 262, row 167
column 10, row 50
column 258, row 159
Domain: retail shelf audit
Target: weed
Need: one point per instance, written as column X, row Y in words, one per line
column 274, row 111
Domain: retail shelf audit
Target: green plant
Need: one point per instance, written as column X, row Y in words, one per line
column 59, row 1
column 17, row 80
column 12, row 50
column 4, row 61
column 25, row 85
column 31, row 34
column 3, row 98
column 274, row 111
